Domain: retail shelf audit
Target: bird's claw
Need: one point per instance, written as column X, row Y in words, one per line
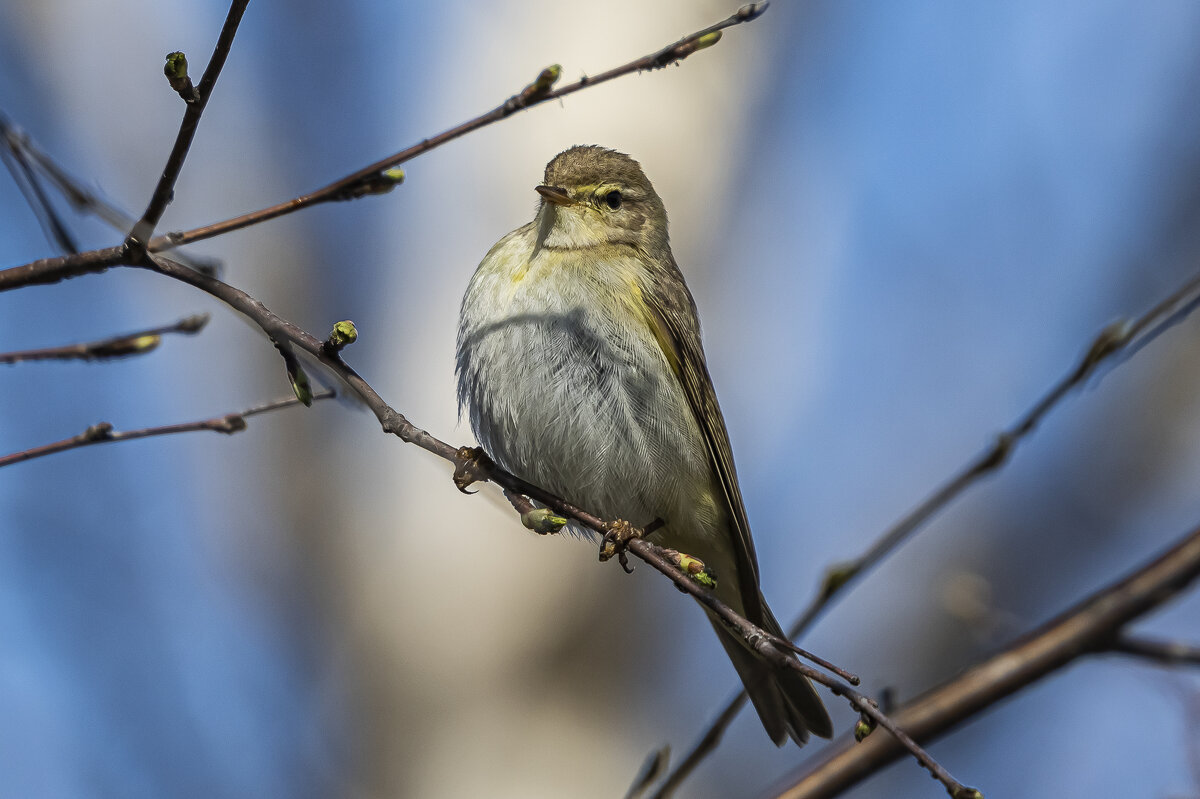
column 473, row 466
column 615, row 541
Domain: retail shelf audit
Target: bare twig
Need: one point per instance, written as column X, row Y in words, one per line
column 45, row 271
column 139, row 343
column 371, row 179
column 1086, row 628
column 13, row 153
column 1113, row 345
column 141, row 232
column 368, row 179
column 1165, row 653
column 103, row 432
column 28, row 162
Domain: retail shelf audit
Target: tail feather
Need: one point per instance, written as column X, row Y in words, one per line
column 786, row 701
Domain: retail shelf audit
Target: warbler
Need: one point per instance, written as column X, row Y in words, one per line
column 580, row 366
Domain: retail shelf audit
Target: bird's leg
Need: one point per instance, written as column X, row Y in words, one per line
column 616, row 538
column 472, row 466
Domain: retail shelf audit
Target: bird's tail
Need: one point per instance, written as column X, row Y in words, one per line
column 786, row 701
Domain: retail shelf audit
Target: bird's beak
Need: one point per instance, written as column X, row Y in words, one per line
column 554, row 194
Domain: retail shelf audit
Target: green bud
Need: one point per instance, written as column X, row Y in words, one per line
column 547, row 78
column 177, row 75
column 543, row 521
column 344, row 334
column 708, row 40
column 176, row 67
column 862, row 729
column 837, row 576
column 300, row 385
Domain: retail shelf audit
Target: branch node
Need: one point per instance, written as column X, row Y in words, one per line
column 101, row 431
column 751, row 11
column 1112, row 338
column 535, row 91
column 380, row 182
column 230, row 424
column 1002, row 447
column 837, row 576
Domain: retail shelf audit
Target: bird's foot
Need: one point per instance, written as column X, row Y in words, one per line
column 615, row 541
column 473, row 466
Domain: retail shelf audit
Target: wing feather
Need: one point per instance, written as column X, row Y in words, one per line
column 674, row 322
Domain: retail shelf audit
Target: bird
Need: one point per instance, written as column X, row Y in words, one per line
column 580, row 365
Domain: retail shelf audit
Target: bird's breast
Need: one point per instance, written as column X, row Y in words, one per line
column 566, row 386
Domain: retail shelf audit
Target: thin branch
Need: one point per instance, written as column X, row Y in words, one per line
column 103, row 432
column 1115, row 344
column 1085, row 629
column 141, row 232
column 1165, row 653
column 46, row 271
column 139, row 343
column 24, row 175
column 368, row 180
column 30, row 162
column 371, row 179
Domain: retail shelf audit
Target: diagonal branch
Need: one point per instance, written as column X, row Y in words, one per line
column 103, row 432
column 1112, row 346
column 1085, row 629
column 165, row 190
column 15, row 157
column 1165, row 653
column 139, row 343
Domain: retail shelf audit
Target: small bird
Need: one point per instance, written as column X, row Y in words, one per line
column 580, row 366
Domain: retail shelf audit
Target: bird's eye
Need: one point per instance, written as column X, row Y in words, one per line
column 613, row 198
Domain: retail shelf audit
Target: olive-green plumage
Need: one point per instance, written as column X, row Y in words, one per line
column 581, row 368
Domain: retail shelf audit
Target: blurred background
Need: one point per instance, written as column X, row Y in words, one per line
column 902, row 222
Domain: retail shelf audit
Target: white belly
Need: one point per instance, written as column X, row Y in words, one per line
column 587, row 409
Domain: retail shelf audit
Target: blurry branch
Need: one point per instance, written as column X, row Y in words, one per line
column 1114, row 344
column 1165, row 653
column 12, row 152
column 138, row 343
column 377, row 178
column 29, row 165
column 103, row 432
column 1087, row 628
